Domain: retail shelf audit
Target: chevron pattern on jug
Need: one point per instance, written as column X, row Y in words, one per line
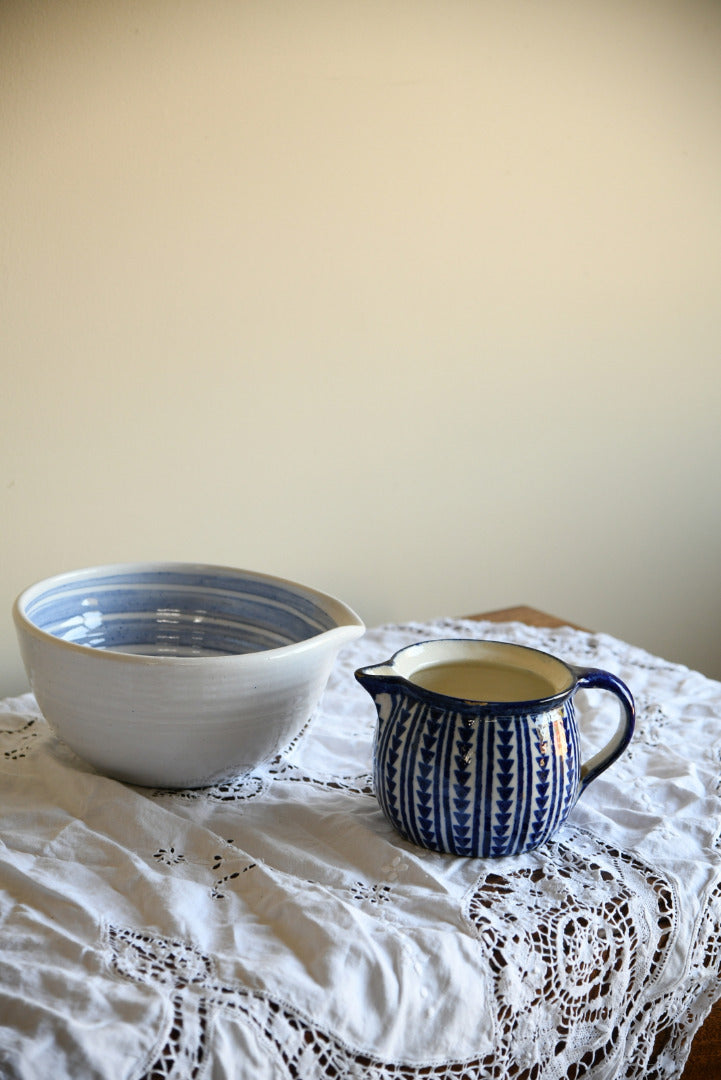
column 424, row 786
column 505, row 787
column 572, row 759
column 464, row 808
column 390, row 750
column 541, row 790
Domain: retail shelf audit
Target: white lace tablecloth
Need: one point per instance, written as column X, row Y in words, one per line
column 276, row 927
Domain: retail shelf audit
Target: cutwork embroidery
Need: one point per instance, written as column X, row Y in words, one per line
column 529, row 947
column 22, row 737
column 217, row 891
column 169, row 856
column 239, row 789
column 569, row 934
column 373, row 894
column 219, row 860
column 244, row 788
column 574, row 941
column 360, row 784
column 306, row 1050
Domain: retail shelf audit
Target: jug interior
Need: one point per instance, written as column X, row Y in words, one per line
column 482, row 671
column 479, row 680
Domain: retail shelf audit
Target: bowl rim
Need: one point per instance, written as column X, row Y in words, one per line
column 348, row 626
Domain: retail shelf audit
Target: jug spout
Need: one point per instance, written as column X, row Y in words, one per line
column 382, row 683
column 375, row 679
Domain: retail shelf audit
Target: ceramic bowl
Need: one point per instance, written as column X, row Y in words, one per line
column 174, row 674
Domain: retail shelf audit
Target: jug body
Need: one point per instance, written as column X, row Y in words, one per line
column 473, row 775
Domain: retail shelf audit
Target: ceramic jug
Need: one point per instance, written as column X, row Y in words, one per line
column 476, row 749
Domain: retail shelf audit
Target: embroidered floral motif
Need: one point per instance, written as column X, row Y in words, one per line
column 373, row 894
column 394, row 868
column 169, row 856
column 651, row 725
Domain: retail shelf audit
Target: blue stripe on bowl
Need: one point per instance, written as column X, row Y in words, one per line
column 176, row 612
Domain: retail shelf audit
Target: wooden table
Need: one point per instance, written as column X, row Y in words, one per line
column 704, row 1061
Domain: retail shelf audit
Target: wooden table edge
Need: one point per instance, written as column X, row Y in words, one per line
column 522, row 613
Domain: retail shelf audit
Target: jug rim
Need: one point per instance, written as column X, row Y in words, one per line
column 388, row 673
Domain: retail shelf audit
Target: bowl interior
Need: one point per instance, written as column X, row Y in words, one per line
column 176, row 611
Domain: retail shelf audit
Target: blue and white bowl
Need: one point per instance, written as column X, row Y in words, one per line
column 178, row 675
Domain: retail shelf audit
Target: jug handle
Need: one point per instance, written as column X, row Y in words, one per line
column 595, row 678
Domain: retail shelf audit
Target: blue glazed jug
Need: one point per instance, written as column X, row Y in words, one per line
column 476, row 749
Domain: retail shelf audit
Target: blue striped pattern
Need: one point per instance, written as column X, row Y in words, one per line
column 474, row 784
column 177, row 611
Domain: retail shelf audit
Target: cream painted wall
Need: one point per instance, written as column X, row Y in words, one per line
column 419, row 303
